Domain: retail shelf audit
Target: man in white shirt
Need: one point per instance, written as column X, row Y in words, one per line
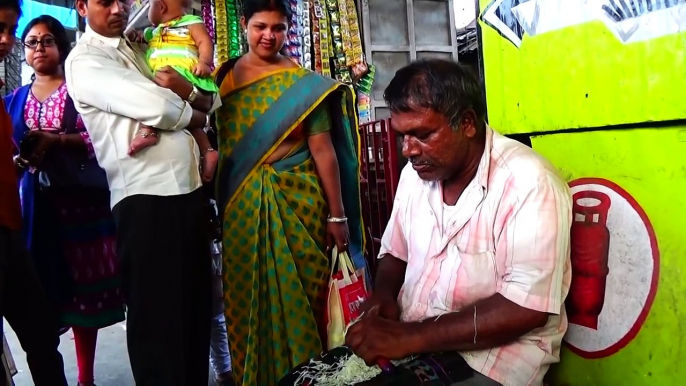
column 157, row 203
column 475, row 257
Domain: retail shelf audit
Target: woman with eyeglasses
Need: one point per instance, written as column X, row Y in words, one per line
column 65, row 198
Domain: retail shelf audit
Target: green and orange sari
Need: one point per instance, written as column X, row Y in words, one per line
column 276, row 268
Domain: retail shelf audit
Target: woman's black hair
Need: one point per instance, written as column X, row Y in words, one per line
column 251, row 7
column 56, row 29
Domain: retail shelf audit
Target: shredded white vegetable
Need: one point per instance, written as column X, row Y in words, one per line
column 349, row 370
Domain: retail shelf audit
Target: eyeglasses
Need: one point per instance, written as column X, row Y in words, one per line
column 45, row 42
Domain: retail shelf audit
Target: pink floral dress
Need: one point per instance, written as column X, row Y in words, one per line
column 86, row 230
column 47, row 115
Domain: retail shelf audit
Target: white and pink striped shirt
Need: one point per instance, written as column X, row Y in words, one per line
column 508, row 234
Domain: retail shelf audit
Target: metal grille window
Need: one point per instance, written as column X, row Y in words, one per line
column 10, row 70
column 397, row 32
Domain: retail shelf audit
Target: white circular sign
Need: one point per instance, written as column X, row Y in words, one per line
column 615, row 265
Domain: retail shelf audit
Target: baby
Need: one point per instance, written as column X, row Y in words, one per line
column 180, row 41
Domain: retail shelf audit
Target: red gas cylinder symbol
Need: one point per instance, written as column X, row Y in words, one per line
column 590, row 243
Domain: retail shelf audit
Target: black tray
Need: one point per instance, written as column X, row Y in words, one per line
column 425, row 370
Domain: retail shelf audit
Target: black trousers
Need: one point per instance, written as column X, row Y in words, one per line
column 164, row 251
column 25, row 306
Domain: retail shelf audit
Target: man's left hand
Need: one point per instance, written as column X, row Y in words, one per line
column 169, row 78
column 374, row 337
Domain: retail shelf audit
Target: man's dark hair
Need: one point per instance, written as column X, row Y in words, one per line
column 251, row 7
column 14, row 5
column 56, row 29
column 442, row 85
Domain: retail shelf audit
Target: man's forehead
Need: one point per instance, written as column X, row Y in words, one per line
column 9, row 17
column 417, row 117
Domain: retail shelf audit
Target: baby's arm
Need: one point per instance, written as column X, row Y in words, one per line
column 208, row 154
column 202, row 140
column 205, row 49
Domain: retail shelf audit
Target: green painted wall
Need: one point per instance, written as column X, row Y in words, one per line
column 586, row 74
column 581, row 76
column 650, row 164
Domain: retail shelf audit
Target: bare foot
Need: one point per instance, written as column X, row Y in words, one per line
column 139, row 143
column 209, row 165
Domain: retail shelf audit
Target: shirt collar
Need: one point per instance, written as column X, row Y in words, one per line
column 113, row 42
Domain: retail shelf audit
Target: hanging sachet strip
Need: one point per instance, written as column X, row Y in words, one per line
column 221, row 30
column 233, row 27
column 341, row 71
column 325, row 44
column 208, row 20
column 317, row 57
column 355, row 61
column 307, row 36
column 345, row 32
column 292, row 45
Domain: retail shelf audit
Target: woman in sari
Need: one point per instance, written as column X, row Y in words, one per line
column 288, row 191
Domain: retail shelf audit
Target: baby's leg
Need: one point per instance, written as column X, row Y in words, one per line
column 208, row 154
column 145, row 137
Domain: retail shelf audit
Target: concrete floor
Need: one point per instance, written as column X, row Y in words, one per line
column 111, row 362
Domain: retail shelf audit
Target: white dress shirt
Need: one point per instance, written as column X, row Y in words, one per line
column 112, row 89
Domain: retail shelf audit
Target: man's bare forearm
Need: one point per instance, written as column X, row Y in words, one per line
column 498, row 321
column 198, row 120
column 390, row 276
column 203, row 102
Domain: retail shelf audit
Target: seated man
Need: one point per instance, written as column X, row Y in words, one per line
column 479, row 235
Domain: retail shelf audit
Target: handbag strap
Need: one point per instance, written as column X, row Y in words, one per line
column 69, row 116
column 340, row 261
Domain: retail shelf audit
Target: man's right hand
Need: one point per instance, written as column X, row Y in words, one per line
column 167, row 77
column 135, row 36
column 387, row 306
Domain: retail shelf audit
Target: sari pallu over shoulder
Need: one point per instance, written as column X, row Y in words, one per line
column 297, row 93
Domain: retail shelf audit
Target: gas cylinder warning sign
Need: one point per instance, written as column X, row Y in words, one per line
column 615, row 268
